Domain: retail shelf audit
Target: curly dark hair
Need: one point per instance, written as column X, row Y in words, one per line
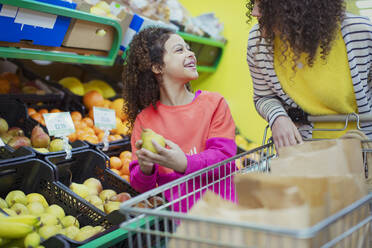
column 140, row 86
column 303, row 25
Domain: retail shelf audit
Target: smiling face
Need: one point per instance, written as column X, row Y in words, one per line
column 179, row 61
column 256, row 11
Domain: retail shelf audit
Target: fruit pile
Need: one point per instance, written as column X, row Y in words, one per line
column 11, row 83
column 120, row 165
column 31, row 220
column 106, row 200
column 84, row 126
column 39, row 140
column 75, row 86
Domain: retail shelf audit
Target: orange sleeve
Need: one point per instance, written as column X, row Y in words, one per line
column 136, row 135
column 222, row 125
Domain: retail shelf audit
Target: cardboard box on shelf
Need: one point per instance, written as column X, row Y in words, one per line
column 91, row 35
column 39, row 28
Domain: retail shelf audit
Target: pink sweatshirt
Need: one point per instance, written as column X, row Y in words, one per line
column 205, row 131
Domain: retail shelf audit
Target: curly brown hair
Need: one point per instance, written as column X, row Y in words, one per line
column 140, row 86
column 303, row 25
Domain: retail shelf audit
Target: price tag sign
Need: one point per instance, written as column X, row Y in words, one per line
column 59, row 124
column 104, row 118
column 1, row 142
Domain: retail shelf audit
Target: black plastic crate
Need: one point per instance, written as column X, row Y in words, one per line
column 83, row 165
column 55, row 91
column 115, row 147
column 34, row 175
column 9, row 155
column 68, row 103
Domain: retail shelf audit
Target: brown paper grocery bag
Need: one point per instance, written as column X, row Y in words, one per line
column 279, row 202
column 336, row 157
column 220, row 234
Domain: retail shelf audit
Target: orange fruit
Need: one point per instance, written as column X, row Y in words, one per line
column 111, row 138
column 89, row 130
column 116, row 171
column 12, row 78
column 91, row 139
column 125, row 166
column 100, row 136
column 125, row 154
column 31, row 111
column 93, row 98
column 37, row 117
column 90, row 114
column 76, row 116
column 97, row 130
column 4, row 86
column 115, row 163
column 77, row 124
column 88, row 121
column 55, row 111
column 72, row 137
column 126, row 178
column 43, row 111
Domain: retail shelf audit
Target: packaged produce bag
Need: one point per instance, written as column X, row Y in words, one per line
column 280, row 203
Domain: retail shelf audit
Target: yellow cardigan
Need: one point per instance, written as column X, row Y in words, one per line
column 325, row 88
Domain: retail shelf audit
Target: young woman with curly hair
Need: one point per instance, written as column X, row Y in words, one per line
column 308, row 57
column 198, row 128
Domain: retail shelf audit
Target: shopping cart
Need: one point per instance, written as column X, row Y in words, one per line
column 154, row 224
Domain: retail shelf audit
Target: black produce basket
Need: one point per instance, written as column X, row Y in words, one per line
column 117, row 145
column 83, row 165
column 9, row 155
column 55, row 92
column 68, row 104
column 36, row 176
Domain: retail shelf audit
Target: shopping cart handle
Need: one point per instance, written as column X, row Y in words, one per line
column 340, row 118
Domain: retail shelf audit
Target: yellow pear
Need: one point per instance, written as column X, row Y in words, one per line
column 111, row 206
column 106, row 194
column 147, row 136
column 80, row 189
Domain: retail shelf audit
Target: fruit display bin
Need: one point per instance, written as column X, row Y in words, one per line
column 116, row 143
column 15, row 113
column 36, row 176
column 86, row 164
column 52, row 91
column 9, row 155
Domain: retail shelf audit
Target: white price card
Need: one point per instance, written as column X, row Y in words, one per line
column 1, row 142
column 104, row 118
column 59, row 124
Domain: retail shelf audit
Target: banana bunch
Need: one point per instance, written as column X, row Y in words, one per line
column 19, row 231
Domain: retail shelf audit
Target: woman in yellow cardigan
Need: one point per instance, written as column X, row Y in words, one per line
column 308, row 57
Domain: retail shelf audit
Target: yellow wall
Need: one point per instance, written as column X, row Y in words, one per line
column 232, row 78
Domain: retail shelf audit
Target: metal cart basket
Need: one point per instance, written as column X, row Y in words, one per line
column 155, row 226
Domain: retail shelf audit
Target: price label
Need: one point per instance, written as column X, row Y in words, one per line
column 104, row 118
column 59, row 124
column 2, row 142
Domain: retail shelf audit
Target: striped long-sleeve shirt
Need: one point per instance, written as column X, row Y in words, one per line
column 270, row 99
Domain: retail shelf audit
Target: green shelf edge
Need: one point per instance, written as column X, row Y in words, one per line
column 11, row 52
column 208, row 42
column 202, row 40
column 116, row 236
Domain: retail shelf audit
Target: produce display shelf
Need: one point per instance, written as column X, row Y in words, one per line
column 61, row 56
